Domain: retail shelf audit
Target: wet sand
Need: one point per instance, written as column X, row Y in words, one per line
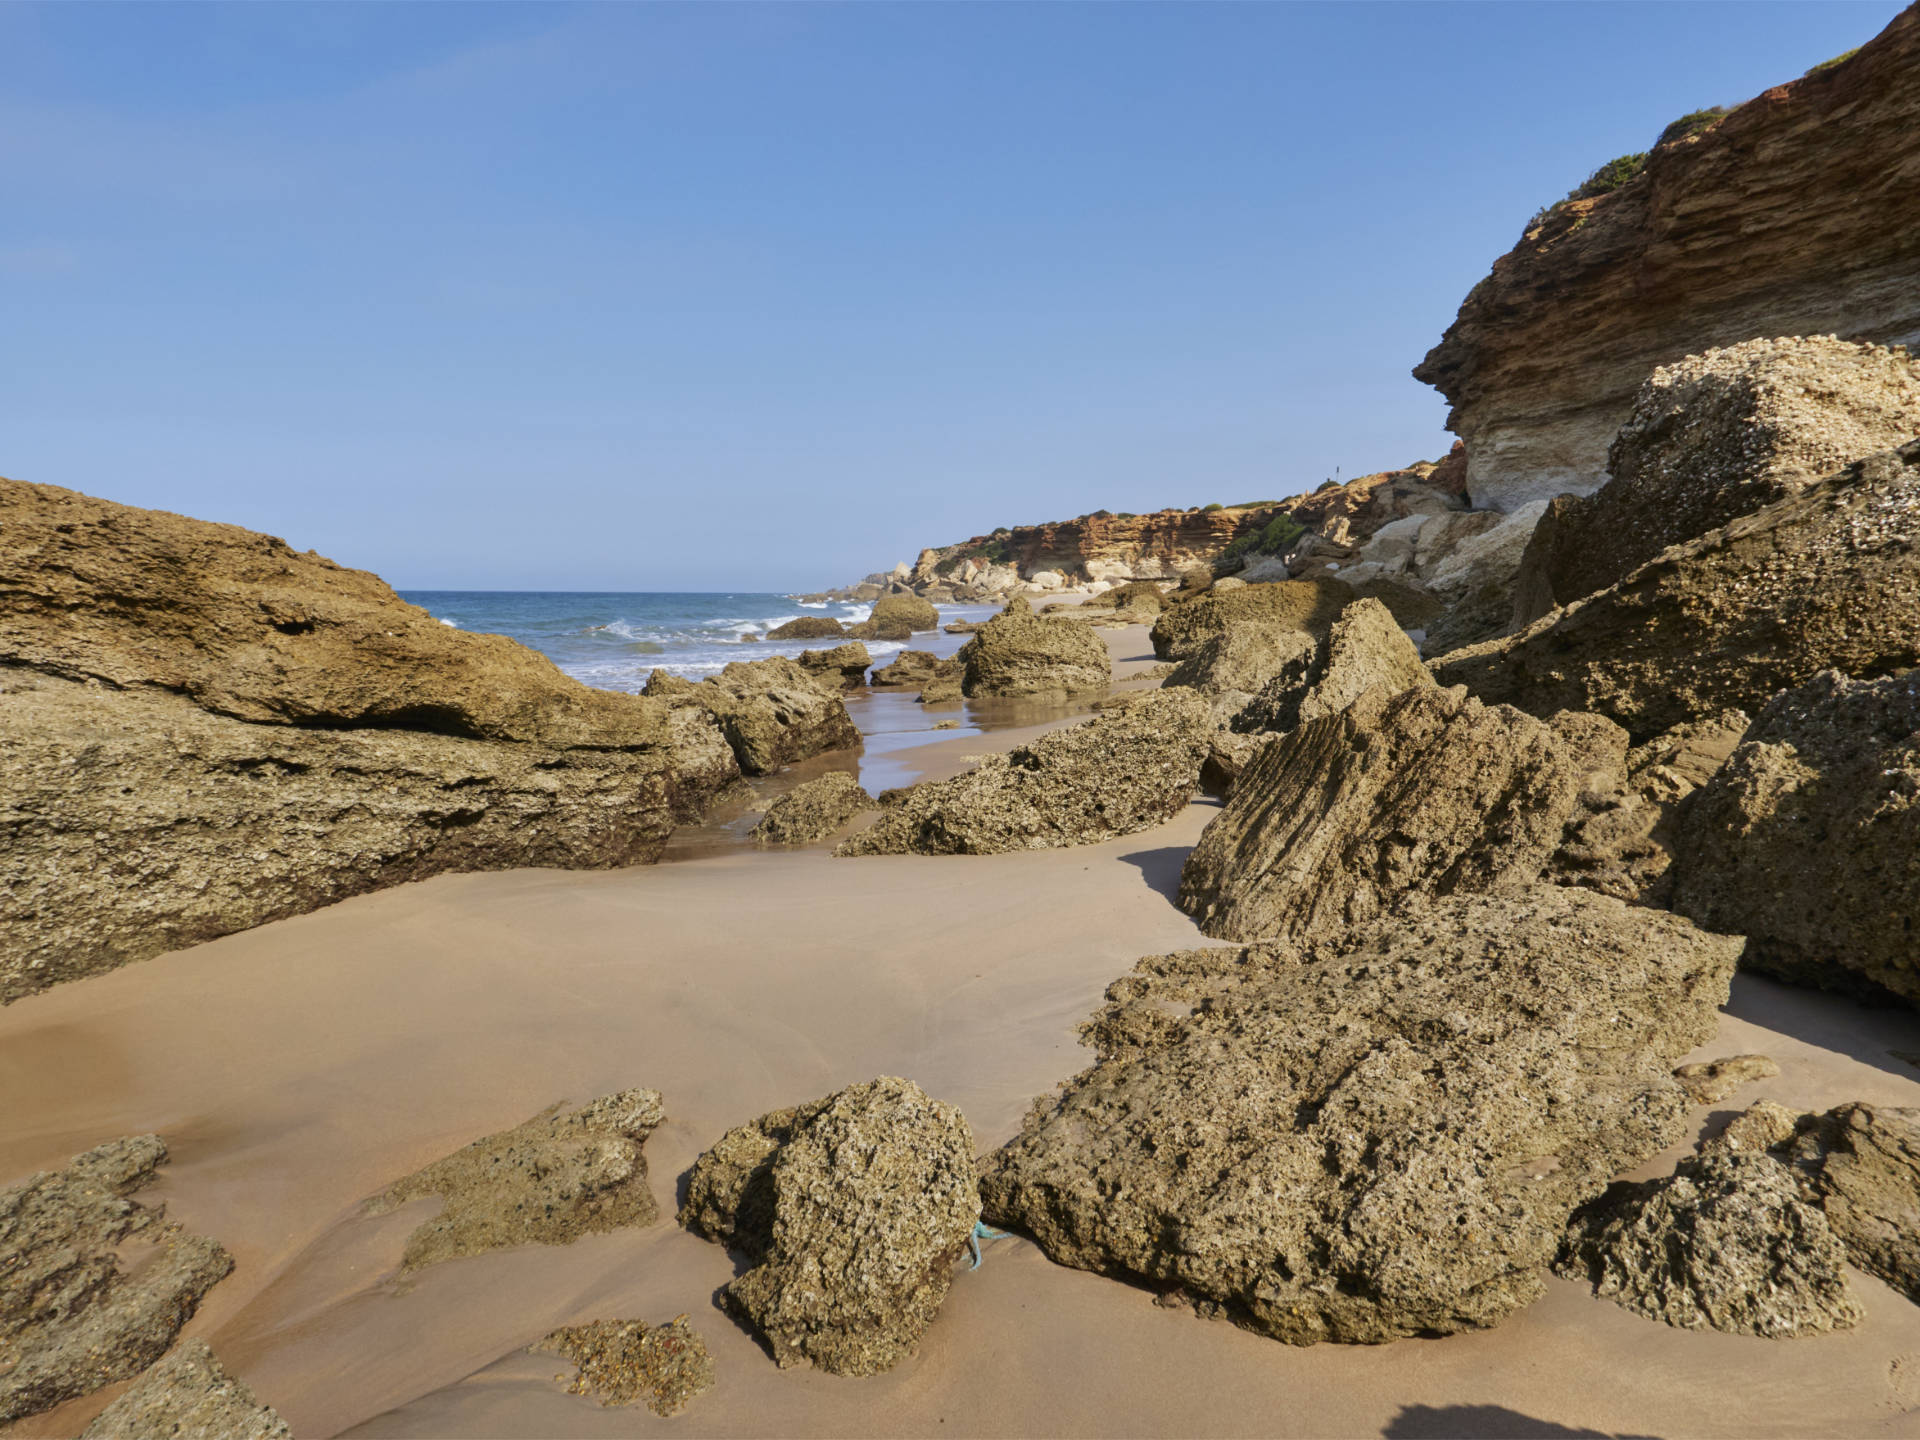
column 299, row 1068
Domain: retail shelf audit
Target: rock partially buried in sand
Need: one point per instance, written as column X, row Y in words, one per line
column 1724, row 1243
column 547, row 1182
column 1824, row 579
column 72, row 1316
column 1018, row 655
column 1711, row 1081
column 807, row 627
column 621, row 1361
column 1365, row 649
column 1808, row 838
column 854, row 1210
column 813, row 811
column 1123, row 771
column 188, row 1396
column 1382, row 1143
column 1424, row 792
column 1306, row 605
column 773, row 712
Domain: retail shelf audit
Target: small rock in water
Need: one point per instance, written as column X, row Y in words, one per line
column 621, row 1361
column 546, row 1182
column 188, row 1395
column 812, row 811
column 1711, row 1081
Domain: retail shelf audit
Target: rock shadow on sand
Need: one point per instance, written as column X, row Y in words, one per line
column 1160, row 868
column 1485, row 1422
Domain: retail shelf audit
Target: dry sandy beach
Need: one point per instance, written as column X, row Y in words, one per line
column 298, row 1068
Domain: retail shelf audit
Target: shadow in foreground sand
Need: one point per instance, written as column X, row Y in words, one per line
column 1494, row 1422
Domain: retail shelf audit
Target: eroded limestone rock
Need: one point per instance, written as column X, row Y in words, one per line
column 547, row 1182
column 915, row 670
column 845, row 664
column 1365, row 649
column 188, row 1396
column 1019, row 655
column 1378, row 1143
column 813, row 811
column 621, row 1361
column 808, row 627
column 896, row 617
column 1306, row 605
column 853, row 1210
column 1125, row 770
column 773, row 712
column 1864, row 1163
column 94, row 1285
column 1241, row 657
column 1708, row 1082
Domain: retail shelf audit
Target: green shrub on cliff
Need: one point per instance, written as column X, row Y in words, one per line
column 1271, row 539
column 1611, row 176
column 1215, row 505
column 1826, row 65
column 1692, row 123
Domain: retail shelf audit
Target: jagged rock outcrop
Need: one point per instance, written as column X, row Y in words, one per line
column 1825, row 579
column 773, row 712
column 1365, row 649
column 808, row 627
column 1097, row 547
column 621, row 1361
column 546, row 1182
column 1796, row 214
column 1018, row 655
column 1710, row 439
column 1372, row 1144
column 896, row 617
column 1140, row 596
column 1241, row 657
column 1864, row 1163
column 813, row 811
column 1310, row 606
column 1123, row 771
column 94, row 1285
column 188, row 1396
column 1426, row 792
column 853, row 1211
column 1726, row 1242
column 915, row 670
column 205, row 729
column 1708, row 1082
column 844, row 665
column 1808, row 838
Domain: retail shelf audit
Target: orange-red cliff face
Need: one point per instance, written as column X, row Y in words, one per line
column 1109, row 547
column 1796, row 214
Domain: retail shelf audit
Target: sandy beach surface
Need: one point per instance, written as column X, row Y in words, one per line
column 297, row 1069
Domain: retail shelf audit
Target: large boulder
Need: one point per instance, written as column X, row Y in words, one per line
column 1863, row 1161
column 773, row 712
column 1726, row 1242
column 547, row 1182
column 808, row 627
column 189, row 1396
column 1365, row 649
column 1359, row 1144
column 1824, row 579
column 1426, row 792
column 813, row 811
column 1306, row 605
column 844, row 666
column 1126, row 770
column 94, row 1285
column 1018, row 655
column 1808, row 838
column 1241, row 658
column 852, row 1212
column 1712, row 438
column 896, row 617
column 915, row 670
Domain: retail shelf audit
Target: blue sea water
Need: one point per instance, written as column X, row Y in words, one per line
column 614, row 641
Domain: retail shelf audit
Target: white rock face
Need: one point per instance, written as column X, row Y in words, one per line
column 1047, row 580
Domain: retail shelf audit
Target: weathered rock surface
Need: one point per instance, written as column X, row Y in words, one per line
column 187, row 1396
column 1241, row 657
column 844, row 665
column 813, row 811
column 915, row 670
column 1712, row 438
column 1379, row 1143
column 773, row 712
column 1017, row 654
column 1808, row 838
column 621, row 1361
column 895, row 617
column 94, row 1285
column 1306, row 605
column 134, row 823
column 1426, row 792
column 1827, row 578
column 1864, row 1163
column 853, row 1210
column 807, row 627
column 1724, row 1243
column 1099, row 547
column 1123, row 771
column 1365, row 649
column 547, row 1182
column 1708, row 1082
column 1141, row 596
column 1793, row 215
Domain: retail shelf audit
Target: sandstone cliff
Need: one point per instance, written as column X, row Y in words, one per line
column 1796, row 214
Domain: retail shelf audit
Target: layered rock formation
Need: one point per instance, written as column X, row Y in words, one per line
column 1796, row 214
column 204, row 730
column 773, row 712
column 1710, row 439
column 94, row 1285
column 1363, row 650
column 1018, row 655
column 853, row 1211
column 1864, row 1163
column 547, row 1182
column 1823, row 579
column 188, row 1396
column 1099, row 546
column 1372, row 1142
column 1126, row 770
column 812, row 811
column 1808, row 838
column 1306, row 606
column 844, row 665
column 1397, row 796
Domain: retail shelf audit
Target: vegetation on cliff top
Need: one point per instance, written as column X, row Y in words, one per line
column 1271, row 539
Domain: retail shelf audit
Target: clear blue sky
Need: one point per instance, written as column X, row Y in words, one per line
column 741, row 296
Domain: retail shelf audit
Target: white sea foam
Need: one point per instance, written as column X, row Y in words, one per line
column 450, row 624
